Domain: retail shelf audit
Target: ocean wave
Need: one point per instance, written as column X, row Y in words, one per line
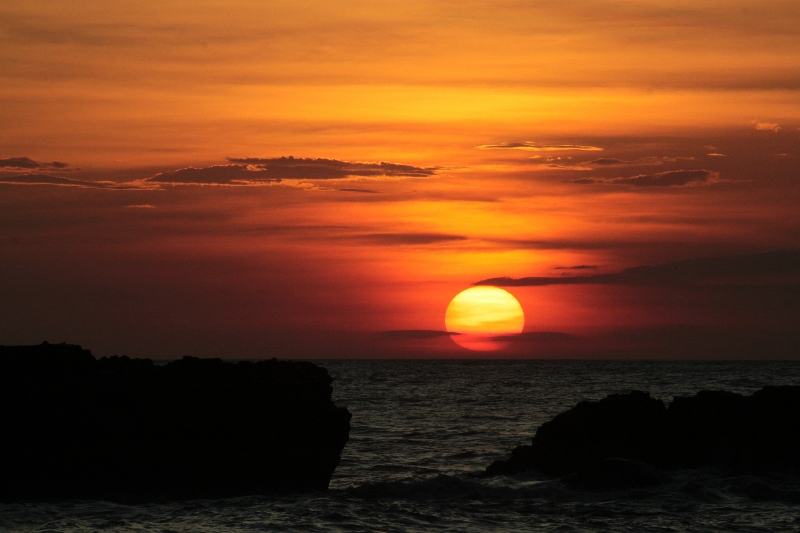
column 445, row 487
column 703, row 486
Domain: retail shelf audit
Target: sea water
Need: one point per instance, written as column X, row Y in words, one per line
column 423, row 432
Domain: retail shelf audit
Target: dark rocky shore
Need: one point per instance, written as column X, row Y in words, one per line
column 72, row 426
column 628, row 440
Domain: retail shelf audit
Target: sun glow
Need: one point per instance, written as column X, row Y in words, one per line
column 479, row 318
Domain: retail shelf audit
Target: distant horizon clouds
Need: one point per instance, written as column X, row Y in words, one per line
column 532, row 146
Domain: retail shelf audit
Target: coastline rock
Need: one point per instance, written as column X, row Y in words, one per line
column 620, row 425
column 72, row 426
column 616, row 474
column 712, row 429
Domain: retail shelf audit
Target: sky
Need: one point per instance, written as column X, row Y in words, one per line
column 251, row 179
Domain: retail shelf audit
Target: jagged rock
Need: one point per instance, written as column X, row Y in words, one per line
column 74, row 426
column 713, row 428
column 616, row 474
column 621, row 425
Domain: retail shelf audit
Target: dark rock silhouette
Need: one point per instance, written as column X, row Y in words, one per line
column 621, row 425
column 72, row 426
column 712, row 429
column 616, row 474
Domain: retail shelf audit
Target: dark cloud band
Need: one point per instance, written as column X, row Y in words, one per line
column 537, row 336
column 672, row 178
column 747, row 269
column 45, row 179
column 409, row 239
column 26, row 163
column 531, row 146
column 416, row 334
column 255, row 171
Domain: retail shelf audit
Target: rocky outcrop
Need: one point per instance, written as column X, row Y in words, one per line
column 626, row 426
column 616, row 474
column 713, row 428
column 72, row 426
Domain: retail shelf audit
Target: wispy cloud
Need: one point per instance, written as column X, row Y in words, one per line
column 408, row 239
column 750, row 269
column 528, row 145
column 26, row 163
column 559, row 166
column 556, row 163
column 416, row 334
column 672, row 178
column 607, row 161
column 369, row 191
column 642, row 161
column 260, row 171
column 214, row 175
column 308, row 168
column 46, row 179
column 297, row 172
column 767, row 126
column 537, row 336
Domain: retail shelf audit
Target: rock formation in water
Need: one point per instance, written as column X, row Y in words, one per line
column 711, row 429
column 72, row 426
column 615, row 474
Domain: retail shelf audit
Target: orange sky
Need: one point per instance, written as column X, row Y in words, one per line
column 525, row 139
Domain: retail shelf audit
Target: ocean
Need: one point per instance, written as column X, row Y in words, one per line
column 423, row 432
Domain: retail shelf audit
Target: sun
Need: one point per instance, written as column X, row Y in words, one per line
column 478, row 316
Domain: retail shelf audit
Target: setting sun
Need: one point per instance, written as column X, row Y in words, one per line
column 479, row 315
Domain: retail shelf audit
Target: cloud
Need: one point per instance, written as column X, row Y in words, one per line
column 576, row 267
column 716, row 154
column 603, row 161
column 370, row 191
column 45, row 179
column 749, row 269
column 557, row 163
column 214, row 175
column 26, row 163
column 642, row 161
column 672, row 178
column 767, row 126
column 400, row 239
column 567, row 244
column 240, row 172
column 416, row 334
column 140, row 206
column 537, row 336
column 308, row 168
column 556, row 166
column 259, row 171
column 528, row 145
